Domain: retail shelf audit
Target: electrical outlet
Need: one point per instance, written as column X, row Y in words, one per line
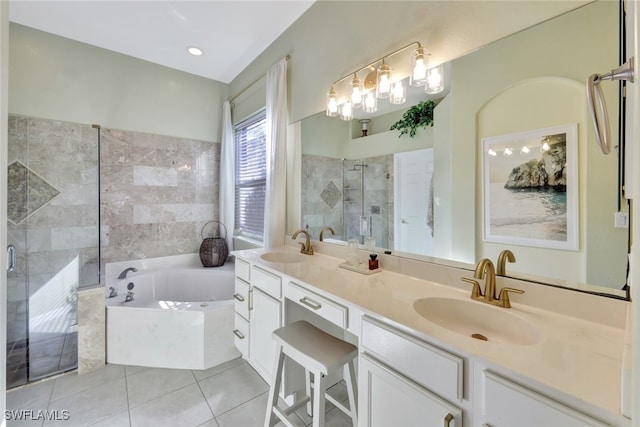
column 621, row 220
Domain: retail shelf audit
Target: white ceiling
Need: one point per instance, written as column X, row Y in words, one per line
column 232, row 33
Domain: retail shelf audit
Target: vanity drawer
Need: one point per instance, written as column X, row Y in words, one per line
column 243, row 269
column 507, row 403
column 269, row 283
column 241, row 335
column 323, row 307
column 241, row 298
column 433, row 368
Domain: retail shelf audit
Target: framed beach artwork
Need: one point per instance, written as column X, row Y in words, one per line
column 530, row 188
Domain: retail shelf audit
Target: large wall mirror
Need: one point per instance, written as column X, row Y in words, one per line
column 424, row 196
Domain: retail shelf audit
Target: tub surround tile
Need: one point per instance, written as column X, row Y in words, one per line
column 155, row 176
column 91, row 330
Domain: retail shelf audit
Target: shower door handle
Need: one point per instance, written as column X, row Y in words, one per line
column 11, row 258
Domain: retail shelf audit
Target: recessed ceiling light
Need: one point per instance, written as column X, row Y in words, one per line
column 195, row 51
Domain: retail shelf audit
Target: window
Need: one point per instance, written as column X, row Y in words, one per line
column 251, row 176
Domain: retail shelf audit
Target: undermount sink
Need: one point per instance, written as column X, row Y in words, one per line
column 283, row 257
column 478, row 320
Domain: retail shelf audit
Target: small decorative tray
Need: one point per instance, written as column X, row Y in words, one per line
column 360, row 268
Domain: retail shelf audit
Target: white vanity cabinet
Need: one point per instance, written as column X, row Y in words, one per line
column 266, row 316
column 504, row 402
column 242, row 299
column 405, row 381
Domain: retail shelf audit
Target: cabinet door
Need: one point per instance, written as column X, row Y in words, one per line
column 265, row 318
column 509, row 404
column 387, row 399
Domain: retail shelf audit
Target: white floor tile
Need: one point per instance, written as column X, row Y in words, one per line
column 92, row 405
column 149, row 384
column 185, row 407
column 72, row 383
column 200, row 375
column 120, row 420
column 232, row 387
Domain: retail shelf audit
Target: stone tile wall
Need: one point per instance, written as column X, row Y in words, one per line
column 156, row 194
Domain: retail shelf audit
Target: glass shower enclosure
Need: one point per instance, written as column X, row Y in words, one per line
column 53, row 223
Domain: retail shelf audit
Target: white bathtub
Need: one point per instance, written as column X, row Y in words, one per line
column 181, row 316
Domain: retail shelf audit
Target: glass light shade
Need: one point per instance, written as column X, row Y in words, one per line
column 370, row 103
column 383, row 84
column 491, row 152
column 332, row 103
column 398, row 94
column 524, row 150
column 356, row 92
column 418, row 68
column 435, row 80
column 545, row 147
column 507, row 152
column 346, row 111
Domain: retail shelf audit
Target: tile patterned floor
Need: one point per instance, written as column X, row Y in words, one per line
column 229, row 395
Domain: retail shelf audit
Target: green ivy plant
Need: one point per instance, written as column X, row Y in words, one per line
column 420, row 115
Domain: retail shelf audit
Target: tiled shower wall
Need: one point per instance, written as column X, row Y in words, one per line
column 157, row 192
column 322, row 194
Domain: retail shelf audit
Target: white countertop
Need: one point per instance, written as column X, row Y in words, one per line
column 575, row 356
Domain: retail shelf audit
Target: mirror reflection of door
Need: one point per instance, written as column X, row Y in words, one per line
column 413, row 227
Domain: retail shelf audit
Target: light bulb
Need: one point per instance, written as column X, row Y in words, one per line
column 545, row 147
column 435, row 83
column 419, row 68
column 346, row 111
column 370, row 104
column 507, row 152
column 332, row 103
column 524, row 150
column 384, row 81
column 356, row 94
column 491, row 152
column 398, row 93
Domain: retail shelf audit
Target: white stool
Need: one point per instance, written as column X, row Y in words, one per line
column 320, row 354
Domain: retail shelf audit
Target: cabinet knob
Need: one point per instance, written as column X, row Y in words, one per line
column 447, row 420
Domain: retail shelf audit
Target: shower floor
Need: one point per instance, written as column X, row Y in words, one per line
column 49, row 354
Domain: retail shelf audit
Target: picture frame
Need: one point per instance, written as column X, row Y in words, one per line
column 530, row 188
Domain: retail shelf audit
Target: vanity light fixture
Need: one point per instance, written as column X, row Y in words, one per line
column 195, row 51
column 379, row 83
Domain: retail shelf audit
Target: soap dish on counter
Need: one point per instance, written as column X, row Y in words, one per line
column 361, row 268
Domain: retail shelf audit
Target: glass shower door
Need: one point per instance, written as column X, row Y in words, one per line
column 53, row 222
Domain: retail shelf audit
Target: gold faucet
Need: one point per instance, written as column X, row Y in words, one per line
column 485, row 270
column 323, row 230
column 306, row 248
column 504, row 256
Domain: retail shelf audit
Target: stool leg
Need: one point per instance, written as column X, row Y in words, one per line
column 352, row 391
column 319, row 390
column 309, row 390
column 271, row 419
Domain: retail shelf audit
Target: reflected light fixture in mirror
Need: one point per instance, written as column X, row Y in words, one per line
column 380, row 84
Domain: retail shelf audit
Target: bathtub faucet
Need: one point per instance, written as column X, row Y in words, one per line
column 124, row 273
column 129, row 296
column 113, row 292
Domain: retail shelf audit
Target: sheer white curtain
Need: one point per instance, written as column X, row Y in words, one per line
column 275, row 198
column 227, row 174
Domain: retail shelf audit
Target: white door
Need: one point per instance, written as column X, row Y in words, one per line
column 266, row 317
column 413, row 207
column 387, row 399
